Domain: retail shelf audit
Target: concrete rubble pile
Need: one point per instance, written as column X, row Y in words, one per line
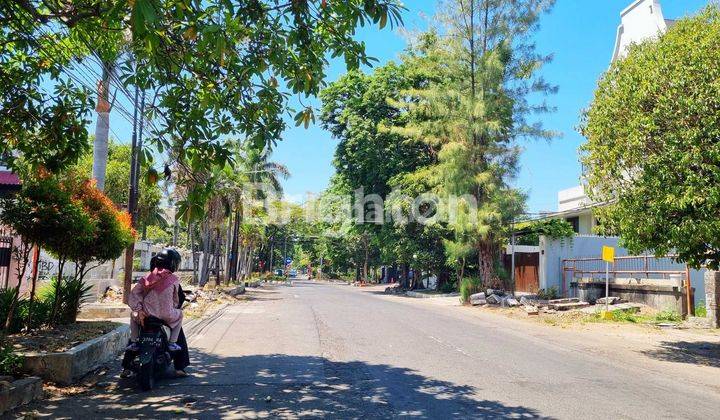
column 494, row 297
column 395, row 290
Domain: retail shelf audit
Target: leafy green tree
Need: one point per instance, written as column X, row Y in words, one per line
column 552, row 228
column 355, row 109
column 212, row 68
column 485, row 67
column 117, row 185
column 652, row 154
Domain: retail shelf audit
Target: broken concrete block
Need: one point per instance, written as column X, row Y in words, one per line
column 477, row 299
column 528, row 300
column 493, row 300
column 569, row 305
column 563, row 300
column 612, row 300
column 497, row 292
column 512, row 302
column 531, row 310
column 239, row 290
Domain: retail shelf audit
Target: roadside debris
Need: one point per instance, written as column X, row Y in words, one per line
column 395, row 290
column 612, row 300
column 478, row 299
column 531, row 310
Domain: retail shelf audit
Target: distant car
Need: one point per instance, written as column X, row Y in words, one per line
column 279, row 272
column 293, row 273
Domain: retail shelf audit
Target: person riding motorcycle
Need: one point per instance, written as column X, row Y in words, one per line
column 159, row 294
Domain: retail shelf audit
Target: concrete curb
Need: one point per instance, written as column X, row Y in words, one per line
column 64, row 368
column 410, row 293
column 20, row 392
column 104, row 311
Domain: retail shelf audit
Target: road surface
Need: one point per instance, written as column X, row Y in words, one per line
column 325, row 350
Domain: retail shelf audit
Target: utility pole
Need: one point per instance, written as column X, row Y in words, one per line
column 133, row 192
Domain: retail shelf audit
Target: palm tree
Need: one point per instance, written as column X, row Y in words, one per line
column 102, row 127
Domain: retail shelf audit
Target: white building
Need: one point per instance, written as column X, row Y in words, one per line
column 640, row 21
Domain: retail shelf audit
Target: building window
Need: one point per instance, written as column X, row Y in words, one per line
column 575, row 222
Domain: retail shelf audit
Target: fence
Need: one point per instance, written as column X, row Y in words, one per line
column 636, row 267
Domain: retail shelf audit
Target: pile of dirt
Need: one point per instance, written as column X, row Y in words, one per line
column 61, row 338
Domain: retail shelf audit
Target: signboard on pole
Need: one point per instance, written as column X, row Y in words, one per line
column 608, row 255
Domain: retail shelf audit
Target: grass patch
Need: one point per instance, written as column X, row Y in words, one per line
column 634, row 317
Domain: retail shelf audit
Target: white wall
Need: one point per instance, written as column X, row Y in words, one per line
column 553, row 251
column 572, row 198
column 641, row 20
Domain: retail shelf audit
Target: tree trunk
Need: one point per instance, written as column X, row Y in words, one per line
column 56, row 298
column 229, row 272
column 486, row 268
column 31, row 307
column 191, row 239
column 23, row 261
column 218, row 253
column 367, row 257
column 205, row 266
column 236, row 241
column 102, row 128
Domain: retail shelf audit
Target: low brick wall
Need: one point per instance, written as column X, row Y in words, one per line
column 67, row 367
column 659, row 294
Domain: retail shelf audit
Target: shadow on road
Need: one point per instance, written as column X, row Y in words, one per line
column 287, row 386
column 698, row 353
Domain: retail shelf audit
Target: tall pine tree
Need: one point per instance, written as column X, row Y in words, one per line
column 475, row 113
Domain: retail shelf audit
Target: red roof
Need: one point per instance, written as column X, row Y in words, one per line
column 9, row 178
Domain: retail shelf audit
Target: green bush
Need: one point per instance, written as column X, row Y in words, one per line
column 73, row 293
column 447, row 287
column 10, row 363
column 469, row 286
column 549, row 293
column 701, row 310
column 668, row 316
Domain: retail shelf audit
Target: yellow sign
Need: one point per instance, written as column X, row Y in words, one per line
column 608, row 254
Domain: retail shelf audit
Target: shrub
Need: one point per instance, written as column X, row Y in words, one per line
column 700, row 309
column 469, row 286
column 549, row 293
column 73, row 293
column 447, row 287
column 10, row 363
column 668, row 316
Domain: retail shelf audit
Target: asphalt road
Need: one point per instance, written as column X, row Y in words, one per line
column 322, row 350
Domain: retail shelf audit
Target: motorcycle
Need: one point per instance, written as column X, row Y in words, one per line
column 153, row 359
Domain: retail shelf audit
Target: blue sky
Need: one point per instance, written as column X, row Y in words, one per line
column 579, row 33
